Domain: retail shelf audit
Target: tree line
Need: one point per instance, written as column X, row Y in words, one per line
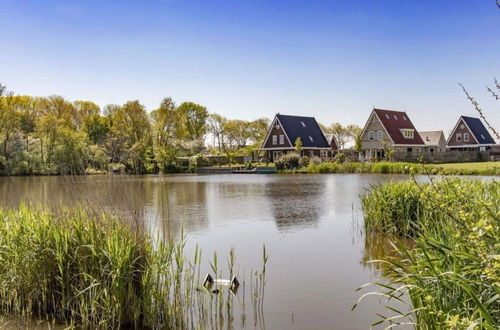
column 51, row 135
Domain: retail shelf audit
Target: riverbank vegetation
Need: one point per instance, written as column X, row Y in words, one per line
column 90, row 270
column 451, row 271
column 296, row 164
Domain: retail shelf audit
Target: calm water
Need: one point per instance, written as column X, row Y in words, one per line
column 309, row 225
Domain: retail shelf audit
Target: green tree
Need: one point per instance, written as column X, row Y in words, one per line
column 217, row 127
column 97, row 128
column 193, row 118
column 298, row 145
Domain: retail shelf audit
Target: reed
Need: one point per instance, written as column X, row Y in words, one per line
column 92, row 271
column 449, row 278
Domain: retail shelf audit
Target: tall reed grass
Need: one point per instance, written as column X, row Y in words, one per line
column 449, row 278
column 92, row 271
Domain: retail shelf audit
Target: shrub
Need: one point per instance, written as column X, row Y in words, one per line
column 288, row 161
column 316, row 160
column 304, row 161
column 339, row 158
column 451, row 270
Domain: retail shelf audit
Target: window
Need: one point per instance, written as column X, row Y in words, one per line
column 303, row 124
column 482, row 137
column 311, row 153
column 311, row 138
column 277, row 125
column 459, row 137
column 462, row 126
column 387, row 116
column 324, row 153
column 395, row 117
column 275, row 139
column 282, row 139
column 404, row 117
column 466, row 137
column 371, row 135
column 409, row 150
column 408, row 133
column 380, row 135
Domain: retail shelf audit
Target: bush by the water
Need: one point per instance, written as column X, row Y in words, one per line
column 288, row 161
column 451, row 271
column 92, row 271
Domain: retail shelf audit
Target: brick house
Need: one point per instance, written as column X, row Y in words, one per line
column 285, row 130
column 469, row 134
column 389, row 130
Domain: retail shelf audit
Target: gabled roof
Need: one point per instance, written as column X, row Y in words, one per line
column 431, row 138
column 304, row 127
column 478, row 130
column 394, row 122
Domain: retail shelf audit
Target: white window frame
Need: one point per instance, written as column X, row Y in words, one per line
column 466, row 137
column 275, row 139
column 371, row 135
column 282, row 139
column 311, row 153
column 380, row 135
column 324, row 153
column 408, row 133
column 458, row 137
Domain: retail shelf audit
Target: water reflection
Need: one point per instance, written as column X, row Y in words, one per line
column 296, row 204
column 305, row 221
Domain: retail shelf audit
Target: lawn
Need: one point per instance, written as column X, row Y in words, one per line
column 490, row 167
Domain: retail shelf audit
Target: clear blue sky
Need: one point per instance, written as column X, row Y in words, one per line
column 334, row 60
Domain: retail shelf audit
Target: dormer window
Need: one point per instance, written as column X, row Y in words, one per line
column 408, row 133
column 303, row 124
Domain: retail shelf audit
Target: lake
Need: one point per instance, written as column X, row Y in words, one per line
column 310, row 225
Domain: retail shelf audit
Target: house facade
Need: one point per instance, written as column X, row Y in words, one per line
column 389, row 130
column 435, row 142
column 285, row 130
column 470, row 134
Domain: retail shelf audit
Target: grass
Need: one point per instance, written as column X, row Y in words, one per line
column 486, row 168
column 450, row 276
column 91, row 271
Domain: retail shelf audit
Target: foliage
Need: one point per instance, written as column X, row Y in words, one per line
column 288, row 161
column 339, row 158
column 50, row 135
column 451, row 272
column 304, row 161
column 90, row 270
column 298, row 144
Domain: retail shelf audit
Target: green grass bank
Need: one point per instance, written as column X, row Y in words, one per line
column 92, row 271
column 451, row 272
column 486, row 168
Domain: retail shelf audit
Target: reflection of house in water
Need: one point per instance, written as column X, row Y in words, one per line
column 295, row 204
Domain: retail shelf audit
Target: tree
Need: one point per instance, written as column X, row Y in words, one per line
column 237, row 132
column 97, row 128
column 258, row 130
column 340, row 134
column 217, row 127
column 298, row 145
column 85, row 109
column 193, row 118
column 166, row 122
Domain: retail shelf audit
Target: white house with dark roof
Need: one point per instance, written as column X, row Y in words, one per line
column 286, row 129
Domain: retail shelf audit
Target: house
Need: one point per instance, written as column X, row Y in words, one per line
column 435, row 141
column 286, row 129
column 389, row 130
column 469, row 134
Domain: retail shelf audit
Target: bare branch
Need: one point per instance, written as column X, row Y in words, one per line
column 498, row 3
column 480, row 111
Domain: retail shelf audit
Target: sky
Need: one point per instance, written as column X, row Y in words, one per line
column 334, row 60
